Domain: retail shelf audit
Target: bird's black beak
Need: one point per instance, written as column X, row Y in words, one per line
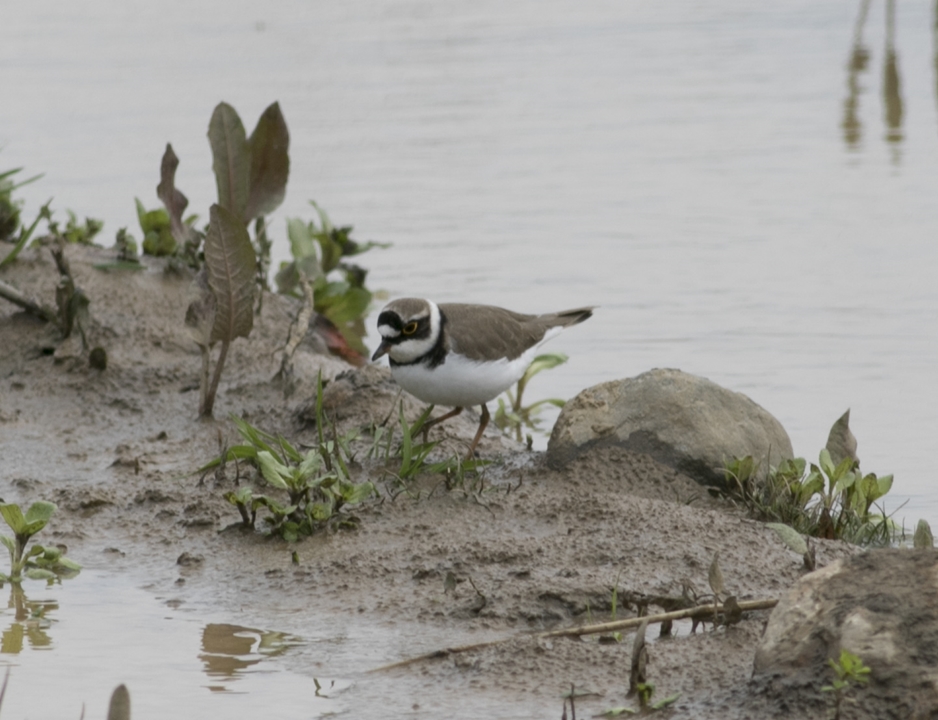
column 382, row 350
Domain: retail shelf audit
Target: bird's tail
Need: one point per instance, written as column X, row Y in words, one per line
column 572, row 317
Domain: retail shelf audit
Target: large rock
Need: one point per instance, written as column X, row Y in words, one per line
column 882, row 606
column 681, row 420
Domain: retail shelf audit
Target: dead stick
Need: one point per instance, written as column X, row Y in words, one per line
column 700, row 610
column 298, row 328
column 8, row 292
column 705, row 610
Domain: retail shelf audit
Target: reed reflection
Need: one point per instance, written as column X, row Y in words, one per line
column 858, row 63
column 935, row 47
column 892, row 85
column 859, row 59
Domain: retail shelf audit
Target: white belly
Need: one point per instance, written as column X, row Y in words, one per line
column 460, row 382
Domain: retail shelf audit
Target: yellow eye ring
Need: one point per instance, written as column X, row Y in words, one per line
column 410, row 328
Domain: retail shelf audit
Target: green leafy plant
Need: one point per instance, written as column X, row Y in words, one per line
column 156, row 226
column 849, row 671
column 38, row 562
column 849, row 496
column 74, row 231
column 10, row 211
column 782, row 496
column 414, row 454
column 829, row 500
column 339, row 291
column 512, row 415
column 317, row 483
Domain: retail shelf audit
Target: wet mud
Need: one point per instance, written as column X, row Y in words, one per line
column 529, row 548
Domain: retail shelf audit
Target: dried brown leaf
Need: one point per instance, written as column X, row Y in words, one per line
column 270, row 163
column 231, row 159
column 173, row 200
column 231, row 263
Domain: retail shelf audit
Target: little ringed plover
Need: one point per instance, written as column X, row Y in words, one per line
column 461, row 355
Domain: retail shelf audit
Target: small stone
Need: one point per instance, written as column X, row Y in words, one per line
column 188, row 559
column 97, row 359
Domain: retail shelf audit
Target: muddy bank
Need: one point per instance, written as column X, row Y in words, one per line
column 530, row 548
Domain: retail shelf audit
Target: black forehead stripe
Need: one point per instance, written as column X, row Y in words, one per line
column 390, row 318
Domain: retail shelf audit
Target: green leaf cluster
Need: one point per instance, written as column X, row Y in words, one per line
column 317, row 483
column 849, row 671
column 339, row 292
column 848, row 668
column 156, row 226
column 38, row 562
column 76, row 232
column 828, row 501
column 414, row 454
column 11, row 209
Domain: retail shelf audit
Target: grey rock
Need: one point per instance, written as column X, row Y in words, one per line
column 684, row 421
column 882, row 606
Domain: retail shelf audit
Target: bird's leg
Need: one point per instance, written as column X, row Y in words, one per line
column 430, row 423
column 482, row 423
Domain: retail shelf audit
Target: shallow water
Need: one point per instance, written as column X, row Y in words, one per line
column 62, row 644
column 738, row 201
column 186, row 653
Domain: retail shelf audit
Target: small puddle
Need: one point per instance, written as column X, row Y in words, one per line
column 70, row 645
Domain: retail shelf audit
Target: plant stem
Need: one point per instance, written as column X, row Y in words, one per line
column 203, row 378
column 206, row 410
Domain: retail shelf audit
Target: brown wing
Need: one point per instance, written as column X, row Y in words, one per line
column 487, row 332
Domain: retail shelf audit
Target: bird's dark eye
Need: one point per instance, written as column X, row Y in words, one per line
column 410, row 328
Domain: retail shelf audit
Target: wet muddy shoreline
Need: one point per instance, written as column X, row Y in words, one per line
column 528, row 549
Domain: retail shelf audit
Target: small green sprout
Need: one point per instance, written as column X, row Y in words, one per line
column 39, row 562
column 317, row 483
column 849, row 670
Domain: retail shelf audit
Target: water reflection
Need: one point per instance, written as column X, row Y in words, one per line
column 891, row 82
column 859, row 58
column 30, row 622
column 229, row 650
column 935, row 47
column 858, row 63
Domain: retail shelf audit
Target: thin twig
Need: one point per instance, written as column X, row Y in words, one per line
column 700, row 610
column 298, row 329
column 8, row 292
